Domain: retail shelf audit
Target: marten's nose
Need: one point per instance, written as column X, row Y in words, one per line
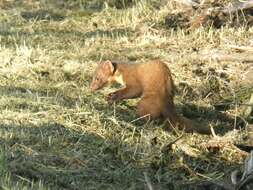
column 92, row 88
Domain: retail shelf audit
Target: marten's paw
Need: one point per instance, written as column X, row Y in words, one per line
column 112, row 97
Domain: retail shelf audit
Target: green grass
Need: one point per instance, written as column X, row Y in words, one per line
column 56, row 134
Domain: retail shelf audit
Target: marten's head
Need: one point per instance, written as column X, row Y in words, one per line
column 103, row 75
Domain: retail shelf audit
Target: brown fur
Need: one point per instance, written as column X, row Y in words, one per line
column 152, row 81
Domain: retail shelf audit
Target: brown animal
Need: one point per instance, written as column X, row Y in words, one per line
column 152, row 81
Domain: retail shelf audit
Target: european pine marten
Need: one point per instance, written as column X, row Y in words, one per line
column 152, row 81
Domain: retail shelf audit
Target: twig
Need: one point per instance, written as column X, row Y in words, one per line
column 150, row 187
column 233, row 103
column 173, row 127
column 168, row 146
column 139, row 118
column 218, row 56
column 247, row 176
column 242, row 48
column 188, row 3
column 24, row 179
column 213, row 132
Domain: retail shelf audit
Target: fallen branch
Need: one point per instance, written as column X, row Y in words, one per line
column 238, row 6
column 241, row 48
column 236, row 181
column 188, row 3
column 218, row 56
column 218, row 16
column 247, row 112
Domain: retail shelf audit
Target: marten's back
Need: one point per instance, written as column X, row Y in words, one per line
column 151, row 77
column 156, row 77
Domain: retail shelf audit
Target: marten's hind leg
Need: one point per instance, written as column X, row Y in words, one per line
column 174, row 120
column 169, row 113
column 149, row 107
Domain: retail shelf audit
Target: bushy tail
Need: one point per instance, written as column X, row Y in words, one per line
column 183, row 123
column 173, row 118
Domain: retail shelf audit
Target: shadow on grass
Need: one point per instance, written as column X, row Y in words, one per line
column 67, row 5
column 60, row 157
column 65, row 159
column 70, row 33
column 127, row 112
column 26, row 92
column 42, row 15
column 211, row 115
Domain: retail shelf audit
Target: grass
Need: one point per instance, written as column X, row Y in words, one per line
column 56, row 134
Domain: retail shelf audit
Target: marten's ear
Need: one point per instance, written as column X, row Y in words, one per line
column 109, row 65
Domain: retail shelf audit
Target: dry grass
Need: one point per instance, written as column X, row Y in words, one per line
column 56, row 134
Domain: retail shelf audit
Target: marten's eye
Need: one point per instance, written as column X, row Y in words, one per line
column 97, row 79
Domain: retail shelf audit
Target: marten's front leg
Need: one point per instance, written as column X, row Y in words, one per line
column 125, row 93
